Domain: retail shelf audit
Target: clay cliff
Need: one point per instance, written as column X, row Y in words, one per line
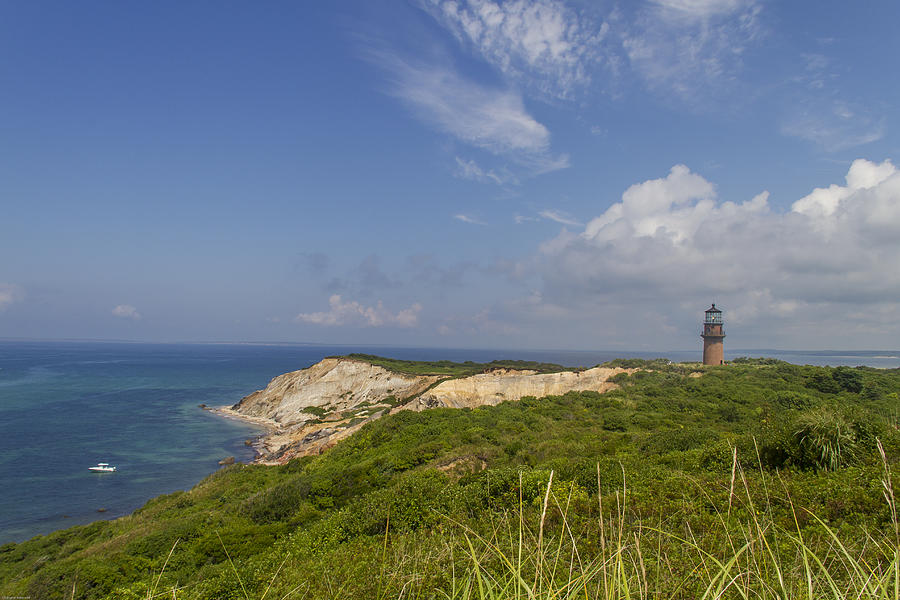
column 312, row 409
column 333, row 385
column 497, row 386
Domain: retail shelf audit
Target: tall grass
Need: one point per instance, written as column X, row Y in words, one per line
column 759, row 559
column 550, row 551
column 826, row 439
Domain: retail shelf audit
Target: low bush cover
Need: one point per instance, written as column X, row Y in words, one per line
column 453, row 369
column 744, row 482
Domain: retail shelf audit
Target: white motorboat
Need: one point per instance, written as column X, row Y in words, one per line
column 102, row 468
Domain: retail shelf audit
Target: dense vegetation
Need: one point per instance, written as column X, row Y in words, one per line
column 760, row 479
column 453, row 369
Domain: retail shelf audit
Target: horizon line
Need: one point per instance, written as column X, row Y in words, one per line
column 411, row 347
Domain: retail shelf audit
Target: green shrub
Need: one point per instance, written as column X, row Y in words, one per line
column 824, row 440
column 716, row 455
column 619, row 378
column 823, row 382
column 849, row 379
column 615, row 420
column 791, row 399
column 729, row 413
column 277, row 503
column 746, row 360
column 638, row 363
column 501, row 488
column 668, row 440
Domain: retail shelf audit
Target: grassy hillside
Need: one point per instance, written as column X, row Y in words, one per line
column 454, row 369
column 760, row 479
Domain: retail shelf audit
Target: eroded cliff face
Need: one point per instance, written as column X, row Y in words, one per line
column 331, row 386
column 311, row 410
column 497, row 386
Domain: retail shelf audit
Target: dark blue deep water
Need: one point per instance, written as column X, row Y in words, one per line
column 64, row 406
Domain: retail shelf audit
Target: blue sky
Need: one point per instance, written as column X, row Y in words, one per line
column 545, row 174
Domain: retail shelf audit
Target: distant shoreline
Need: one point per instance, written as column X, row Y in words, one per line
column 622, row 353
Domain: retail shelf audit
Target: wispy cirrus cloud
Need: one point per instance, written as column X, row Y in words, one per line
column 834, row 129
column 691, row 53
column 471, row 170
column 341, row 313
column 699, row 9
column 487, row 117
column 818, row 111
column 543, row 45
column 559, row 217
column 468, row 219
column 561, row 50
column 691, row 47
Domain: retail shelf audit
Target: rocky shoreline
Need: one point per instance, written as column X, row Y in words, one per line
column 257, row 442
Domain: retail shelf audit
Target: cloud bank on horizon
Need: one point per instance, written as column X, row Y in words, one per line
column 831, row 260
column 520, row 173
column 342, row 313
column 831, row 263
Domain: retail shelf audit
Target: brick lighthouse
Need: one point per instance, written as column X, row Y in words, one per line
column 713, row 347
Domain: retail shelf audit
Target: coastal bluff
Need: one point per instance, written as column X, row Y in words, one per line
column 310, row 410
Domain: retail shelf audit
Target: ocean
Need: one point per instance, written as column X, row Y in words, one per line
column 64, row 406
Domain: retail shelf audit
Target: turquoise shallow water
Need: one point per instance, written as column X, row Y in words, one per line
column 64, row 406
column 67, row 406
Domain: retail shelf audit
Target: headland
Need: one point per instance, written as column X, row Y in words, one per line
column 308, row 411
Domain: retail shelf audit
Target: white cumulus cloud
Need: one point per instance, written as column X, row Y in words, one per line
column 863, row 175
column 672, row 241
column 126, row 311
column 342, row 313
